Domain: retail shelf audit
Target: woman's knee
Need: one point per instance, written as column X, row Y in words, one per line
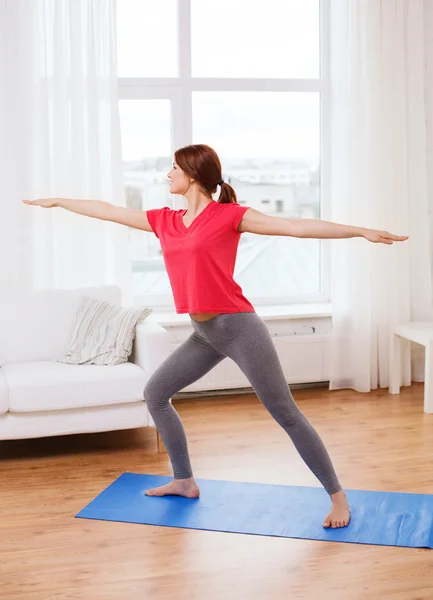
column 286, row 413
column 154, row 395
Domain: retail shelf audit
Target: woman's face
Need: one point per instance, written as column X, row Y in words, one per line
column 179, row 181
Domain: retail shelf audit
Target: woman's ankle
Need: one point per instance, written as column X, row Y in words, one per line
column 340, row 495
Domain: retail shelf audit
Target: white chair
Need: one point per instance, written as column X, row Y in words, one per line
column 420, row 332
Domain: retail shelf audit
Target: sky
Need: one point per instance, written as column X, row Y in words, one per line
column 230, row 38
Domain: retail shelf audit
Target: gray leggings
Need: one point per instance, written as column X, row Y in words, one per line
column 244, row 338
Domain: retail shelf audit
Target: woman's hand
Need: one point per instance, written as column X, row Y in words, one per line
column 44, row 202
column 383, row 237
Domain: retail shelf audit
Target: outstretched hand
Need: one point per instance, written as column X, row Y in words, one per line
column 44, row 202
column 383, row 237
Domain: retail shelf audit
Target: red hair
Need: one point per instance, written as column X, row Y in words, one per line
column 201, row 162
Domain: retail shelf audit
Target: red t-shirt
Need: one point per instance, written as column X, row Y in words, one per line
column 200, row 259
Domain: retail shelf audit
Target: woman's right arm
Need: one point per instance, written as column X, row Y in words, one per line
column 98, row 209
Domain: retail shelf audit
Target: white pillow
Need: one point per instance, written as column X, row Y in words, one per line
column 103, row 333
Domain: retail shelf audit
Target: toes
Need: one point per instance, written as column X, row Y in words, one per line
column 329, row 522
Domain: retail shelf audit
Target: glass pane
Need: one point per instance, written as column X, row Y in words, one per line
column 269, row 144
column 147, row 158
column 147, row 38
column 276, row 38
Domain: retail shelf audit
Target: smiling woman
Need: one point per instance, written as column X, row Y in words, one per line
column 199, row 255
column 199, row 246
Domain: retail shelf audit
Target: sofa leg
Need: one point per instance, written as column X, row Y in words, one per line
column 160, row 443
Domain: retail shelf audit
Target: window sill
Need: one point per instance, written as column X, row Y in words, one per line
column 267, row 313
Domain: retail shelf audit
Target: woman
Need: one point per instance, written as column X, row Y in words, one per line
column 199, row 245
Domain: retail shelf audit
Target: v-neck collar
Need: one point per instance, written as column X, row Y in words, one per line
column 182, row 213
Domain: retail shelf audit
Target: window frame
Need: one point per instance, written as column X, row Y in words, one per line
column 179, row 90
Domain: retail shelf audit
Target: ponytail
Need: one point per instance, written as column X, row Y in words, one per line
column 227, row 194
column 201, row 163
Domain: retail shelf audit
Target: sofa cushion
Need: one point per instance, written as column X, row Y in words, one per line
column 4, row 394
column 49, row 385
column 38, row 326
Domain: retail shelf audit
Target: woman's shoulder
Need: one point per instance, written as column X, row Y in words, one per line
column 167, row 211
column 232, row 205
column 232, row 213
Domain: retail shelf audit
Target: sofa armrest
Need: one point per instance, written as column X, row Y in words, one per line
column 151, row 346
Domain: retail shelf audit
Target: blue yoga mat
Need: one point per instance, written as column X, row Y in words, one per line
column 380, row 518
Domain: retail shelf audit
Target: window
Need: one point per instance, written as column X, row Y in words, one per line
column 249, row 80
column 147, row 38
column 146, row 148
column 272, row 38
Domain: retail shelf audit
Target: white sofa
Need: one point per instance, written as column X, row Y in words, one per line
column 41, row 397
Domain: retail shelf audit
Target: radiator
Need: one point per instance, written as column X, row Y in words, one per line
column 303, row 349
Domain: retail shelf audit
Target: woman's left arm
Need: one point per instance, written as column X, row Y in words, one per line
column 254, row 221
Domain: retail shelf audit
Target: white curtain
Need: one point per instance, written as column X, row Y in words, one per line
column 61, row 139
column 15, row 224
column 379, row 180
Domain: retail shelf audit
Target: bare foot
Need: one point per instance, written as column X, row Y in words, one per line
column 178, row 487
column 340, row 512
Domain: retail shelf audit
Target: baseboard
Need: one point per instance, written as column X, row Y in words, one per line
column 245, row 390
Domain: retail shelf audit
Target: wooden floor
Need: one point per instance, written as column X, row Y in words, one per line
column 377, row 442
